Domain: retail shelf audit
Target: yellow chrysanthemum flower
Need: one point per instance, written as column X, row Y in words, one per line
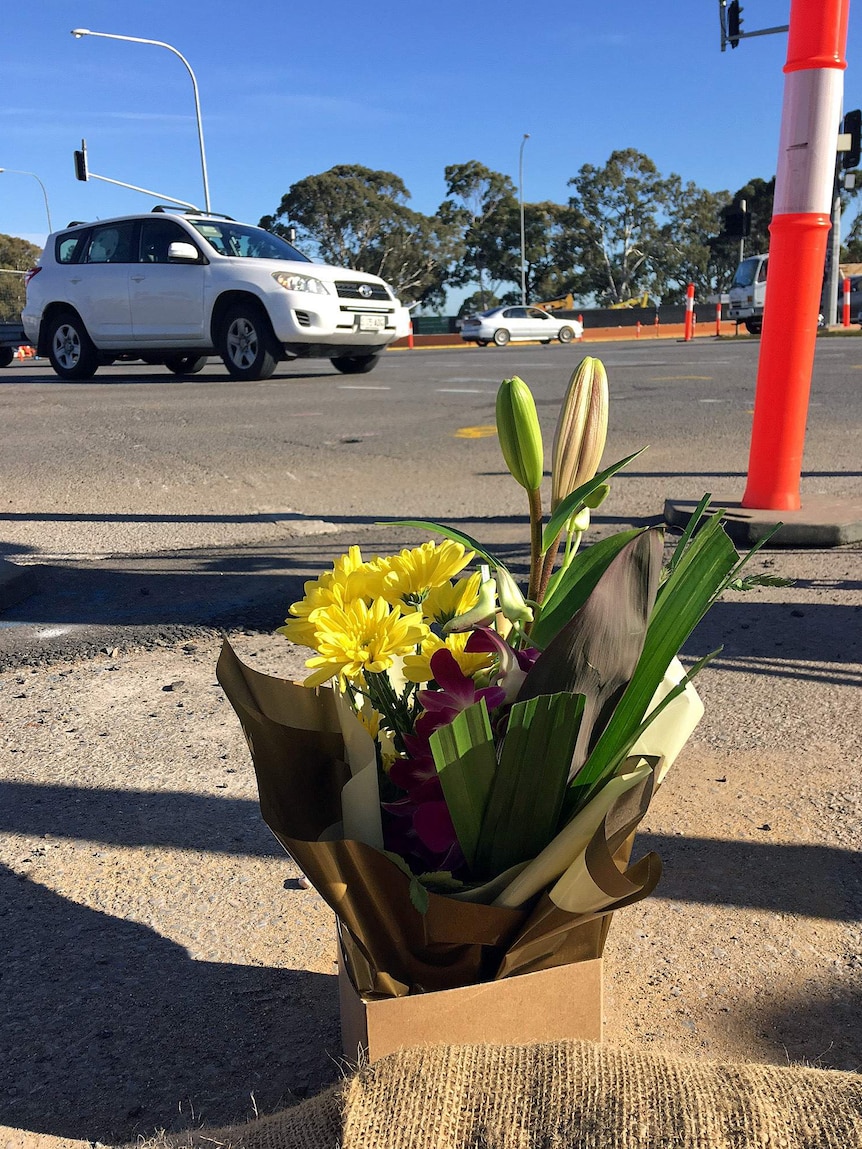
column 417, row 667
column 350, row 578
column 355, row 638
column 443, row 603
column 414, row 572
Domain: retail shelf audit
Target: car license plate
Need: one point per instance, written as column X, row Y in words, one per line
column 372, row 322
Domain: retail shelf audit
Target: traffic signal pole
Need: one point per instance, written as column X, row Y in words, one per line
column 813, row 90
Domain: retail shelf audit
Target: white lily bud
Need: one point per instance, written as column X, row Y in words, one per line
column 581, row 429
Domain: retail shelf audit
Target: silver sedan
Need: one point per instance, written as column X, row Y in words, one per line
column 504, row 324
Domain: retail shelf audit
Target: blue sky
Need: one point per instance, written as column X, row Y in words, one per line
column 290, row 90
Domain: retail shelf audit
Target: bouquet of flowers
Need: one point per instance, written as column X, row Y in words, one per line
column 462, row 773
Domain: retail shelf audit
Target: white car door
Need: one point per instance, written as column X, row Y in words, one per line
column 167, row 299
column 99, row 284
column 540, row 323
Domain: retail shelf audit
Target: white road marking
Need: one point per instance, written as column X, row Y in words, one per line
column 361, row 387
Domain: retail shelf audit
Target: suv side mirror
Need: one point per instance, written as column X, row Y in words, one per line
column 181, row 252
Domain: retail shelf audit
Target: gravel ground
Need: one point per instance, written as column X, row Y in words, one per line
column 162, row 967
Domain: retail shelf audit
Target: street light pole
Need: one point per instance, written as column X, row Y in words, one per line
column 79, row 32
column 16, row 172
column 521, row 206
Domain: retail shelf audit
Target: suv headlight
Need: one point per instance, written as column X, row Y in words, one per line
column 291, row 281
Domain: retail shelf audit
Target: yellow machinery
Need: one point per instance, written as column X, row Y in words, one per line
column 636, row 301
column 564, row 303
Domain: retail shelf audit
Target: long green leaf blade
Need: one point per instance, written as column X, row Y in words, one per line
column 576, row 584
column 466, row 759
column 448, row 532
column 529, row 785
column 572, row 502
column 683, row 601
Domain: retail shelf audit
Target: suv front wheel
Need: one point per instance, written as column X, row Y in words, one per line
column 355, row 364
column 70, row 348
column 246, row 343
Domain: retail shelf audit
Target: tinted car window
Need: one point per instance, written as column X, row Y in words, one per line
column 69, row 247
column 157, row 235
column 110, row 244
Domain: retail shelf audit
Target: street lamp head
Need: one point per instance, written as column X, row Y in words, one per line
column 79, row 32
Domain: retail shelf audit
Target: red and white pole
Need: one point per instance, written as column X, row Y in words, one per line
column 583, row 329
column 410, row 336
column 845, row 315
column 689, row 312
column 718, row 318
column 813, row 90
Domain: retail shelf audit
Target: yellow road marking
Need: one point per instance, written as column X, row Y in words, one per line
column 482, row 432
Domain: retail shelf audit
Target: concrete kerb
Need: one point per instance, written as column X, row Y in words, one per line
column 16, row 584
column 822, row 522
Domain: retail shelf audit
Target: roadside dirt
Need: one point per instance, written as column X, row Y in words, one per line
column 163, row 968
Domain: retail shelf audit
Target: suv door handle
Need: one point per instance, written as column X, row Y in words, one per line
column 137, row 278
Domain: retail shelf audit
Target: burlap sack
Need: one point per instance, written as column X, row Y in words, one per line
column 565, row 1095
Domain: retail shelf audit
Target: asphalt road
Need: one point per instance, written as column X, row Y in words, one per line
column 148, row 506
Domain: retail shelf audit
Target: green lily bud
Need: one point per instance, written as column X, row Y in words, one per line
column 598, row 496
column 513, row 606
column 482, row 614
column 519, row 433
column 582, row 428
column 581, row 521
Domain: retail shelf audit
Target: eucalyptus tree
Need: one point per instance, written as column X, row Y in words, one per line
column 483, row 200
column 352, row 216
column 616, row 229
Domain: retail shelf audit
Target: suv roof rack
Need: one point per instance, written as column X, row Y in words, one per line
column 192, row 211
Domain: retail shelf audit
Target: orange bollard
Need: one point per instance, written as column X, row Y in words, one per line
column 802, row 211
column 583, row 329
column 656, row 325
column 638, row 330
column 845, row 317
column 689, row 312
column 718, row 318
column 410, row 335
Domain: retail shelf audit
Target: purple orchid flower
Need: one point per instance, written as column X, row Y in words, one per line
column 512, row 665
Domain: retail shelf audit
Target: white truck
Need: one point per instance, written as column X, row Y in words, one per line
column 748, row 293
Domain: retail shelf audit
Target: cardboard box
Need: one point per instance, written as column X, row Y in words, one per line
column 554, row 1004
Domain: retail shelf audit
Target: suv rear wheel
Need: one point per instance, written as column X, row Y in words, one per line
column 70, row 348
column 246, row 343
column 355, row 364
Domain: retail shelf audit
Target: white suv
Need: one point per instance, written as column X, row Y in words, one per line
column 175, row 288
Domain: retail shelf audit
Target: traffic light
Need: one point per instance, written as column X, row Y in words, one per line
column 852, row 126
column 81, row 163
column 734, row 22
column 737, row 224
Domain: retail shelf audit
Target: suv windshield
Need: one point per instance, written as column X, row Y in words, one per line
column 237, row 239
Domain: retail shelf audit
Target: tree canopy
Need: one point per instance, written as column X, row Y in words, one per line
column 16, row 257
column 626, row 230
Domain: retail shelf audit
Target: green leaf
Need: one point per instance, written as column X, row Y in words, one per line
column 448, row 532
column 568, row 593
column 573, row 502
column 418, row 895
column 529, row 785
column 683, row 600
column 466, row 759
column 690, row 527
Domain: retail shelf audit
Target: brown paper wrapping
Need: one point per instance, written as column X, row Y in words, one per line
column 390, row 948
